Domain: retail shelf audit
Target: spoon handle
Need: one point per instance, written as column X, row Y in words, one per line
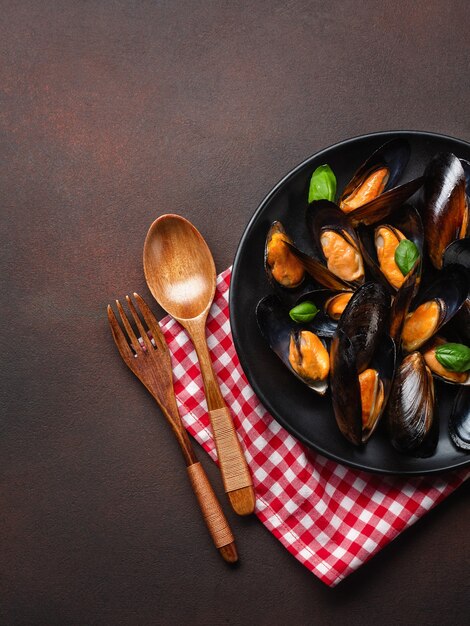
column 235, row 473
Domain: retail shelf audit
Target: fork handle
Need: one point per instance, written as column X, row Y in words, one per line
column 212, row 513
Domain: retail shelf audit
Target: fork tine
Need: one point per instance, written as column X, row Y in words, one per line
column 130, row 331
column 118, row 336
column 152, row 322
column 140, row 326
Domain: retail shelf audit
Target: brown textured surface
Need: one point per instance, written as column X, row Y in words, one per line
column 112, row 113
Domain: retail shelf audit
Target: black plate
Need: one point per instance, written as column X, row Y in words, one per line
column 307, row 416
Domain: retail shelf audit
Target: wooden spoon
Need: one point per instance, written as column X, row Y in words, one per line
column 180, row 273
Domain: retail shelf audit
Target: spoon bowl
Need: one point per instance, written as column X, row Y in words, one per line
column 179, row 268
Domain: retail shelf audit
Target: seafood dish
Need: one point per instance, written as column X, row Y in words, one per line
column 374, row 314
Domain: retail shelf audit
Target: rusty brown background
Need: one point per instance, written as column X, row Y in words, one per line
column 112, row 113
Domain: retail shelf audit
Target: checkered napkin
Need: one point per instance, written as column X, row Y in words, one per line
column 330, row 517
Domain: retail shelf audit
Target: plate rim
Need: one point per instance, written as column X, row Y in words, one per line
column 386, row 134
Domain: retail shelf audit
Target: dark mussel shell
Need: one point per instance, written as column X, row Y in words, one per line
column 466, row 168
column 323, row 324
column 458, row 253
column 445, row 209
column 277, row 227
column 323, row 215
column 459, row 421
column 408, row 221
column 277, row 327
column 410, row 418
column 451, row 289
column 364, row 320
column 394, row 155
column 345, row 388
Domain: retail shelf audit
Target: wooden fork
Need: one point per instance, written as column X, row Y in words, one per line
column 149, row 358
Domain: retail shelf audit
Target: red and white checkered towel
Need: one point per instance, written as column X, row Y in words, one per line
column 330, row 517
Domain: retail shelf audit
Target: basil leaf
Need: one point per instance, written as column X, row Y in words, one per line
column 454, row 357
column 303, row 312
column 406, row 255
column 322, row 184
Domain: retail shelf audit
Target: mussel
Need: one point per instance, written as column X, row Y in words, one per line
column 377, row 174
column 370, row 196
column 361, row 372
column 301, row 350
column 409, row 416
column 436, row 306
column 379, row 245
column 438, row 370
column 359, row 398
column 459, row 422
column 445, row 205
column 281, row 265
column 336, row 241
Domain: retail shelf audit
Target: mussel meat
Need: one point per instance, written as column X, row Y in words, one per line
column 372, row 397
column 371, row 187
column 301, row 350
column 459, row 422
column 435, row 308
column 410, row 409
column 387, row 240
column 438, row 370
column 308, row 356
column 281, row 264
column 335, row 305
column 445, row 207
column 336, row 241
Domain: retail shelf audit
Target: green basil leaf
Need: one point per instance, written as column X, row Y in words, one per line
column 303, row 312
column 322, row 184
column 454, row 357
column 406, row 255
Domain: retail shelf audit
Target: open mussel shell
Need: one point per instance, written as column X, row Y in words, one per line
column 291, row 276
column 438, row 371
column 445, row 207
column 405, row 222
column 449, row 291
column 364, row 320
column 277, row 329
column 325, row 322
column 329, row 227
column 392, row 155
column 459, row 421
column 411, row 422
